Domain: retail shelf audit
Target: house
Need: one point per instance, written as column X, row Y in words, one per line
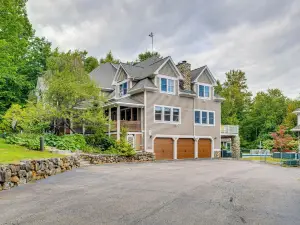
column 167, row 109
column 297, row 128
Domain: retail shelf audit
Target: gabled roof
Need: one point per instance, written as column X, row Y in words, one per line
column 195, row 74
column 145, row 84
column 104, row 74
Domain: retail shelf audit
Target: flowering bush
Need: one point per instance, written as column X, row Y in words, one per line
column 283, row 142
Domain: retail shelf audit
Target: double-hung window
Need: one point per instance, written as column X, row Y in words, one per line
column 167, row 114
column 167, row 85
column 204, row 91
column 123, row 89
column 203, row 117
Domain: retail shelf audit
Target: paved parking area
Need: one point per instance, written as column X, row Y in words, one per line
column 182, row 192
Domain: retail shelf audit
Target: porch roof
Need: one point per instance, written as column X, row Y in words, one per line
column 125, row 102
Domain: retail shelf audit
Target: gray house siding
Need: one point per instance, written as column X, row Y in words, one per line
column 186, row 126
column 138, row 97
column 122, row 75
column 213, row 131
column 168, row 70
column 204, row 78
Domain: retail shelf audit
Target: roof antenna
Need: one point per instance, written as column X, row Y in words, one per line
column 152, row 36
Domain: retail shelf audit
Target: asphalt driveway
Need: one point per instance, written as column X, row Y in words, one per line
column 182, row 192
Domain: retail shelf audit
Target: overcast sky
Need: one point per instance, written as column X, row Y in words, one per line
column 260, row 37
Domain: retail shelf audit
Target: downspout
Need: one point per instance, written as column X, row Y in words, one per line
column 145, row 120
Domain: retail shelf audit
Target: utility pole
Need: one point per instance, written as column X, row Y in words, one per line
column 152, row 36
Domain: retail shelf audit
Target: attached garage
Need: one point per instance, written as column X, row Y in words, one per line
column 204, row 148
column 163, row 148
column 185, row 148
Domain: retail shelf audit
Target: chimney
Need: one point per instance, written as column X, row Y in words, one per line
column 185, row 69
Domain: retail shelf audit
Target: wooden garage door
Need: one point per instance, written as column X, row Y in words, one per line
column 185, row 148
column 163, row 148
column 204, row 148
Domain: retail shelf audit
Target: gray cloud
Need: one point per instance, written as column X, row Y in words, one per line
column 259, row 37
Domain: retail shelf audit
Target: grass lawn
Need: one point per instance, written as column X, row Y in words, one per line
column 267, row 159
column 14, row 153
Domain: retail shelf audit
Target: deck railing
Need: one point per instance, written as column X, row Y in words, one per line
column 132, row 126
column 230, row 129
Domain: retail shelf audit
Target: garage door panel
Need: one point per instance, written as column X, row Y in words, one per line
column 185, row 148
column 204, row 148
column 163, row 148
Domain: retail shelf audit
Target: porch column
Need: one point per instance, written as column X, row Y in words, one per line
column 196, row 147
column 109, row 121
column 175, row 147
column 118, row 122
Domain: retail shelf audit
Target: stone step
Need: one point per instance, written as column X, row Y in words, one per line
column 84, row 163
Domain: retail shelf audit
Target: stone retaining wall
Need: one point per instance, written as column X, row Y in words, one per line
column 99, row 159
column 14, row 174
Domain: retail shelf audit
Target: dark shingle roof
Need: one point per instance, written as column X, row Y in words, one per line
column 104, row 74
column 143, row 84
column 196, row 72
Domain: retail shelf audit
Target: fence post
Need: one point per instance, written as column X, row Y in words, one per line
column 42, row 143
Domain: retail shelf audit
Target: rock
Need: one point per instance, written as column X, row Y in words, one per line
column 22, row 173
column 15, row 179
column 29, row 176
column 7, row 176
column 6, row 186
column 23, row 180
column 58, row 170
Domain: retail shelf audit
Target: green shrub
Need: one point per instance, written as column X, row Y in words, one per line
column 30, row 141
column 122, row 148
column 67, row 142
column 101, row 141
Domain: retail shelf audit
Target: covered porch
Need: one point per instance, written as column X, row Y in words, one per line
column 126, row 113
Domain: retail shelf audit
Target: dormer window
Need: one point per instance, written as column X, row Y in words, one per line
column 204, row 91
column 123, row 89
column 167, row 85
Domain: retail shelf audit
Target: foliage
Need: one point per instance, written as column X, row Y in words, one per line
column 268, row 144
column 66, row 142
column 22, row 55
column 100, row 141
column 33, row 118
column 30, row 141
column 122, row 148
column 70, row 90
column 109, row 58
column 282, row 140
column 90, row 64
column 237, row 97
column 290, row 119
column 146, row 55
column 264, row 115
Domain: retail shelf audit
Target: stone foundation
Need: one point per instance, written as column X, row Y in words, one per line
column 217, row 154
column 100, row 159
column 12, row 175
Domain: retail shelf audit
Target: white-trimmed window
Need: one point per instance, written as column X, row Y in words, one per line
column 167, row 85
column 123, row 88
column 204, row 117
column 204, row 91
column 166, row 114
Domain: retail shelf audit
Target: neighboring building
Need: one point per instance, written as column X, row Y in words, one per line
column 167, row 109
column 297, row 128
